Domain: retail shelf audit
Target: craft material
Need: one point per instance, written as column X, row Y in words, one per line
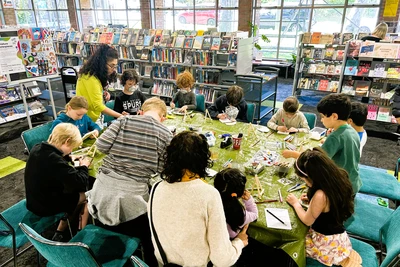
column 258, row 141
column 207, row 116
column 260, row 190
column 266, row 201
column 300, row 187
column 280, row 195
column 278, row 218
column 226, row 164
column 262, row 129
column 237, row 141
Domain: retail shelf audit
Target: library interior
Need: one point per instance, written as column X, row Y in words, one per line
column 200, row 133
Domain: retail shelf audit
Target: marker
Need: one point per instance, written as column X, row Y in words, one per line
column 293, row 187
column 297, row 188
column 227, row 163
column 276, row 217
column 280, row 195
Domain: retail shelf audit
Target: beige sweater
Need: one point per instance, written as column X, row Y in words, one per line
column 298, row 121
column 190, row 223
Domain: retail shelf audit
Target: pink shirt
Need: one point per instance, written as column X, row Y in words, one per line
column 251, row 214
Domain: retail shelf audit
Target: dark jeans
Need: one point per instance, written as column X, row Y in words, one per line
column 139, row 228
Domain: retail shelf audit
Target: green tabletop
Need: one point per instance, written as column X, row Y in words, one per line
column 291, row 241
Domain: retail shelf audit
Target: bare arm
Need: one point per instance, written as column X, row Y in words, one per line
column 111, row 112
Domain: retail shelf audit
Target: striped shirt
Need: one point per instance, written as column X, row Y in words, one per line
column 135, row 146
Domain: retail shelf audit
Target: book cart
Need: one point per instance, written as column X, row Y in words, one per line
column 366, row 71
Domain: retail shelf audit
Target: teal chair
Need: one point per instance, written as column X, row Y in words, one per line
column 91, row 247
column 367, row 220
column 390, row 235
column 251, row 109
column 136, row 262
column 366, row 251
column 311, row 119
column 110, row 105
column 11, row 235
column 36, row 135
column 201, row 103
column 378, row 182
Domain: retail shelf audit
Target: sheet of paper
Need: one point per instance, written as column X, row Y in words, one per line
column 284, row 133
column 282, row 214
column 224, row 120
column 211, row 172
column 87, row 135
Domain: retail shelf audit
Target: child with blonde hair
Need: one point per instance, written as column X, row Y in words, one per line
column 75, row 113
column 52, row 185
column 184, row 97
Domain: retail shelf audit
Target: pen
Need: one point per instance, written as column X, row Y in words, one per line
column 266, row 201
column 280, row 195
column 293, row 187
column 227, row 163
column 297, row 188
column 256, row 142
column 276, row 217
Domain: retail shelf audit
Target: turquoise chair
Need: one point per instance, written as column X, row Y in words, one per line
column 366, row 251
column 92, row 246
column 201, row 103
column 390, row 235
column 36, row 135
column 110, row 105
column 311, row 119
column 251, row 109
column 378, row 182
column 11, row 235
column 136, row 262
column 367, row 220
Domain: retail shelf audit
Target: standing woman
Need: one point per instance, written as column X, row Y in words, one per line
column 378, row 34
column 95, row 75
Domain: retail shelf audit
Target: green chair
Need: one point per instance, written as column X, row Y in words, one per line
column 251, row 109
column 390, row 235
column 110, row 105
column 200, row 103
column 36, row 135
column 92, row 246
column 11, row 235
column 366, row 251
column 367, row 220
column 136, row 262
column 311, row 119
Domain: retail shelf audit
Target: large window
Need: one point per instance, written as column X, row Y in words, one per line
column 283, row 20
column 104, row 12
column 51, row 14
column 195, row 15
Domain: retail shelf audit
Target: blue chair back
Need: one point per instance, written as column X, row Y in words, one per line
column 200, row 103
column 390, row 235
column 36, row 135
column 311, row 119
column 59, row 253
column 251, row 109
column 110, row 105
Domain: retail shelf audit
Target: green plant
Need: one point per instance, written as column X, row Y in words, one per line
column 253, row 32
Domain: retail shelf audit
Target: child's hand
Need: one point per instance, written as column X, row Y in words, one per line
column 293, row 130
column 85, row 161
column 183, row 109
column 221, row 116
column 124, row 113
column 95, row 134
column 292, row 199
column 243, row 235
column 282, row 128
column 304, row 197
column 322, row 140
column 107, row 96
column 172, row 105
column 246, row 195
column 330, row 130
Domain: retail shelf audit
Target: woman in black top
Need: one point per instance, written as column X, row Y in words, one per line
column 378, row 34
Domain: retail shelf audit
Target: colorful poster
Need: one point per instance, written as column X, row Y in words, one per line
column 10, row 56
column 390, row 9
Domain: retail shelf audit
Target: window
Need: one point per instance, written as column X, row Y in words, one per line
column 283, row 20
column 104, row 12
column 52, row 14
column 195, row 15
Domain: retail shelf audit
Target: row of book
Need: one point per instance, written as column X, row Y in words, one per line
column 358, row 48
column 380, row 113
column 167, row 72
column 327, row 53
column 318, row 84
column 334, row 38
column 207, row 76
column 366, row 88
column 208, row 92
column 205, row 40
column 11, row 94
column 321, row 68
column 376, row 69
column 163, row 88
column 15, row 112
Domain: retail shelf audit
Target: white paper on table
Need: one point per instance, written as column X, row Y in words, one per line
column 282, row 214
column 225, row 120
column 211, row 172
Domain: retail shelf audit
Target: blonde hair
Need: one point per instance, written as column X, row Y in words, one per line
column 77, row 102
column 65, row 132
column 185, row 80
column 155, row 103
column 380, row 30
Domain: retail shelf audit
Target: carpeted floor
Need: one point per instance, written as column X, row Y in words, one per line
column 380, row 151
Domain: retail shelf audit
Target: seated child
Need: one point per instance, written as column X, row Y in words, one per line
column 231, row 185
column 357, row 119
column 184, row 97
column 52, row 185
column 131, row 99
column 288, row 118
column 75, row 113
column 331, row 203
column 234, row 101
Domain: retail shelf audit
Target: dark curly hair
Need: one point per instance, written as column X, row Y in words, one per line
column 335, row 103
column 97, row 64
column 228, row 182
column 325, row 175
column 129, row 75
column 187, row 151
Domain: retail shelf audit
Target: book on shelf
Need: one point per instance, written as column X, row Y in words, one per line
column 385, row 50
column 338, row 70
column 188, row 58
column 351, row 67
column 78, row 37
column 306, row 38
column 329, row 52
column 362, row 88
column 4, row 98
column 216, row 42
column 314, row 84
column 384, row 114
column 12, row 94
column 317, row 53
column 354, row 48
column 304, row 83
column 376, row 89
column 148, row 40
column 330, row 69
column 117, row 36
column 367, row 49
column 339, row 54
column 378, row 69
column 124, row 36
column 180, row 39
column 347, row 36
column 320, row 68
column 165, row 39
column 225, row 44
column 348, row 87
column 9, row 113
column 145, row 54
column 140, row 38
column 157, row 37
column 147, row 70
column 364, row 68
column 207, row 40
column 312, row 68
column 393, row 71
column 315, row 38
column 198, row 42
column 372, row 112
column 326, row 39
column 333, row 86
column 232, row 59
column 106, row 37
column 188, row 42
column 234, row 44
column 307, row 52
column 94, row 37
column 323, row 85
column 362, row 35
column 336, row 38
